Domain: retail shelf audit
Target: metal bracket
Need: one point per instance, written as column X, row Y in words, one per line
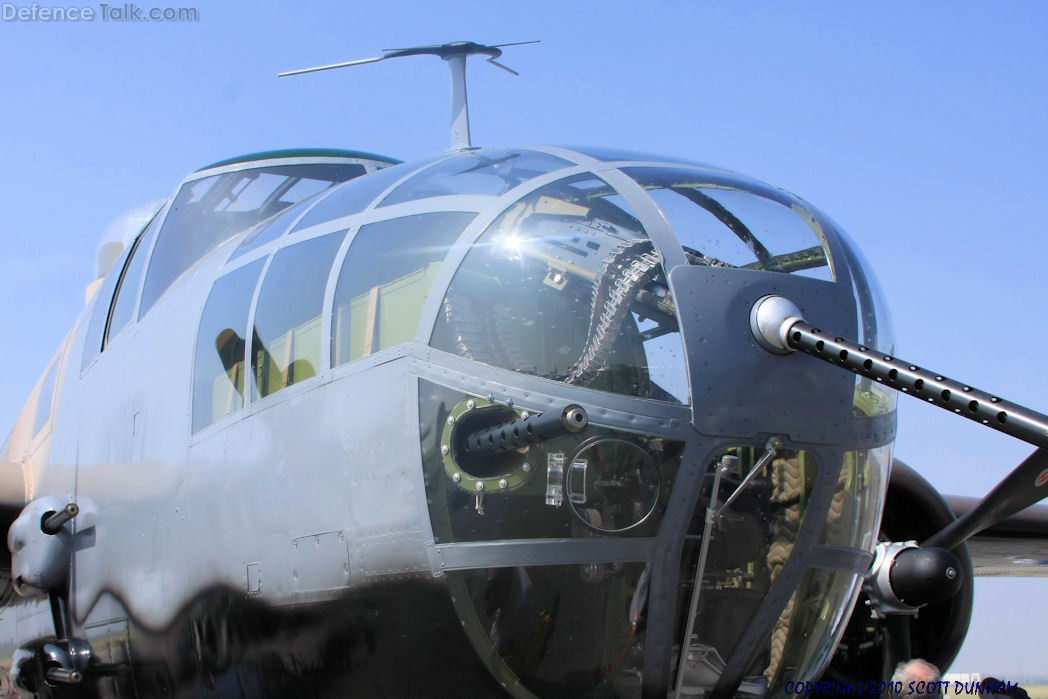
column 437, row 563
column 771, row 448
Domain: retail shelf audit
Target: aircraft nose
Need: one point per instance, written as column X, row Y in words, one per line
column 626, row 289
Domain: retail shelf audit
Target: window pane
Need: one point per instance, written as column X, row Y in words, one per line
column 354, row 197
column 566, row 285
column 285, row 346
column 720, row 224
column 218, row 374
column 96, row 327
column 127, row 289
column 305, row 188
column 251, row 194
column 491, row 172
column 385, row 280
column 560, row 630
column 619, row 483
column 207, row 212
column 266, row 231
column 43, row 403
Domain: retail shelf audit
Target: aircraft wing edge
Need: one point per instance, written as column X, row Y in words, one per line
column 1016, row 547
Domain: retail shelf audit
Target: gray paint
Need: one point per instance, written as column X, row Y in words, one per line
column 317, row 489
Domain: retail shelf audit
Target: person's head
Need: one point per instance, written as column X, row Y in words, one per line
column 916, row 677
column 988, row 687
column 993, row 687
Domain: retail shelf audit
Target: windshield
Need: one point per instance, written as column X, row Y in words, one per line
column 210, row 210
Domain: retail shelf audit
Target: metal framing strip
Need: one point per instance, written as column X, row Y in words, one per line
column 541, row 552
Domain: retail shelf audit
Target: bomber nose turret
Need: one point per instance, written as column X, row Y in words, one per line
column 622, row 284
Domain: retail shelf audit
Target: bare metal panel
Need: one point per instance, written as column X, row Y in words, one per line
column 321, row 562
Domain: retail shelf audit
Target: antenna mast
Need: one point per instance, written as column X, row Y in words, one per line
column 455, row 54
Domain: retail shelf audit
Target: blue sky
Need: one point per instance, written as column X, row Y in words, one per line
column 919, row 127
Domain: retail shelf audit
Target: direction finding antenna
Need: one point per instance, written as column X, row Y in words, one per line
column 455, row 54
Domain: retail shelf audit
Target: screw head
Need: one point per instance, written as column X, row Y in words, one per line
column 503, row 484
column 525, row 415
column 470, row 404
column 456, row 477
column 951, row 573
column 525, row 467
column 444, row 449
column 480, row 485
column 451, row 419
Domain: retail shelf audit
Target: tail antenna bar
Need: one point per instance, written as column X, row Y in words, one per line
column 455, row 54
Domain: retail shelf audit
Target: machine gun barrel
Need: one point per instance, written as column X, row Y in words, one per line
column 779, row 327
column 976, row 405
column 523, row 432
column 52, row 524
column 64, row 676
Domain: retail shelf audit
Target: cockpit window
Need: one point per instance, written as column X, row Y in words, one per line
column 277, row 225
column 266, row 231
column 722, row 225
column 305, row 188
column 285, row 342
column 252, row 193
column 43, row 402
column 566, row 285
column 353, row 197
column 491, row 172
column 385, row 280
column 208, row 211
column 218, row 370
column 127, row 287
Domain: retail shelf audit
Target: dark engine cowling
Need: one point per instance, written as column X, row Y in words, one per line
column 913, row 510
